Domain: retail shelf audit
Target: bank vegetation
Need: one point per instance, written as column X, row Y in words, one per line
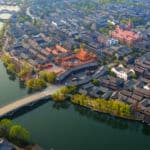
column 14, row 133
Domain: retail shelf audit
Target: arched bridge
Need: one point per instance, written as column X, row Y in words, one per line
column 4, row 110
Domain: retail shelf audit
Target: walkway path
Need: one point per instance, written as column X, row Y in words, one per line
column 27, row 100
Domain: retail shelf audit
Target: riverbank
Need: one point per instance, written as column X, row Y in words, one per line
column 14, row 133
column 64, row 91
column 61, row 124
column 111, row 114
column 112, row 107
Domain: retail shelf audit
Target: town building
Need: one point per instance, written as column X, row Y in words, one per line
column 122, row 72
column 80, row 58
column 125, row 36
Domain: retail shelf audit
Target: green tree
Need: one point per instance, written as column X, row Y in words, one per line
column 134, row 76
column 72, row 89
column 61, row 94
column 58, row 96
column 48, row 76
column 96, row 82
column 19, row 133
column 64, row 92
column 36, row 84
column 39, row 84
column 24, row 71
column 11, row 68
column 51, row 76
column 30, row 83
column 5, row 126
column 114, row 107
column 6, row 59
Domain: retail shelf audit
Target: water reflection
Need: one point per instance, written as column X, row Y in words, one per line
column 11, row 76
column 116, row 123
column 22, row 84
column 103, row 118
column 146, row 130
column 62, row 105
column 113, row 122
column 25, row 109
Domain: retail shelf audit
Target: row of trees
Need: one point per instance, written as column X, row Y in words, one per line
column 36, row 84
column 48, row 76
column 41, row 82
column 2, row 31
column 14, row 133
column 64, row 92
column 8, row 63
column 114, row 107
column 21, row 71
column 6, row 59
column 25, row 71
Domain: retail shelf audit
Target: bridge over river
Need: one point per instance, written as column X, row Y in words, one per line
column 5, row 110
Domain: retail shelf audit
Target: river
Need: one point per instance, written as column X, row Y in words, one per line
column 68, row 127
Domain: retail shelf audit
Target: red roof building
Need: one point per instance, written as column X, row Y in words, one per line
column 80, row 58
column 48, row 49
column 83, row 55
column 125, row 36
column 61, row 49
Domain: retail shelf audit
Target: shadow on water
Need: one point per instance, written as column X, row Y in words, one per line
column 11, row 76
column 32, row 91
column 146, row 130
column 114, row 122
column 103, row 118
column 22, row 84
column 62, row 105
column 25, row 109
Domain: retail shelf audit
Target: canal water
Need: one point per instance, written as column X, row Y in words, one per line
column 68, row 127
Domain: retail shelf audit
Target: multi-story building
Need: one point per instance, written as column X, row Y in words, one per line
column 125, row 36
